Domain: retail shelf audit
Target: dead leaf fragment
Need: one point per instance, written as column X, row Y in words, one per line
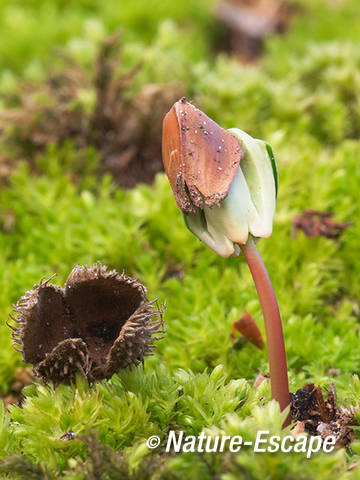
column 248, row 328
column 298, row 429
column 260, row 378
column 315, row 223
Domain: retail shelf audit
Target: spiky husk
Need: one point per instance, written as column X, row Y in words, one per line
column 98, row 324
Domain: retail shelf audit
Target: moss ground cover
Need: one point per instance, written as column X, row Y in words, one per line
column 303, row 97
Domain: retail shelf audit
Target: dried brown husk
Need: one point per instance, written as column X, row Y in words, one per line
column 98, row 324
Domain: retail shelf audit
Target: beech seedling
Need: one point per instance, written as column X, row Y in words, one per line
column 225, row 182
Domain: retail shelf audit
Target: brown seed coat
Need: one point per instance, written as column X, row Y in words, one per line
column 200, row 158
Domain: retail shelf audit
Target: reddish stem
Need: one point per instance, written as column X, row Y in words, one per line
column 273, row 327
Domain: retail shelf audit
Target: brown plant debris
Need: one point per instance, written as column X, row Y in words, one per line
column 315, row 223
column 23, row 377
column 99, row 323
column 101, row 462
column 298, row 429
column 260, row 378
column 248, row 328
column 102, row 112
column 68, row 436
column 248, row 22
column 6, row 166
column 323, row 417
column 21, row 468
column 104, row 462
